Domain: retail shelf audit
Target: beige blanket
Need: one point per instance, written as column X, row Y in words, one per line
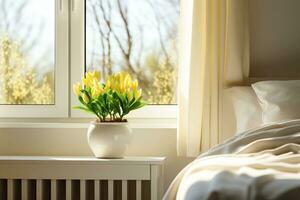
column 259, row 164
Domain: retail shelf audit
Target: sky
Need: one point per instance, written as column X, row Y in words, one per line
column 140, row 14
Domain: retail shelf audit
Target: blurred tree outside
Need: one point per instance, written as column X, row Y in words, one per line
column 18, row 80
column 139, row 37
column 26, row 64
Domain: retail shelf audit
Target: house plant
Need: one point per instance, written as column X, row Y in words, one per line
column 110, row 101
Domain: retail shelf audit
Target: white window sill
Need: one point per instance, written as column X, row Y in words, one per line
column 84, row 123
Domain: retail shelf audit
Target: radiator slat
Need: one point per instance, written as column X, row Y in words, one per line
column 24, row 190
column 68, row 189
column 124, row 189
column 97, row 189
column 138, row 190
column 110, row 190
column 39, row 189
column 53, row 190
column 10, row 189
column 82, row 190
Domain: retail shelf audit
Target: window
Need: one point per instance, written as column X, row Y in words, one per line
column 139, row 37
column 27, row 36
column 43, row 43
column 32, row 58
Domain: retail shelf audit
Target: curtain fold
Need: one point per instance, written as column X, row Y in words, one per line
column 214, row 45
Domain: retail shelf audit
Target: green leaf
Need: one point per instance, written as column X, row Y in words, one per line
column 81, row 100
column 137, row 104
column 83, row 108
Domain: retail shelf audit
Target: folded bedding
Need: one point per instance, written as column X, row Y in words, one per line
column 263, row 163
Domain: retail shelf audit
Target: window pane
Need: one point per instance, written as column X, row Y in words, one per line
column 27, row 37
column 139, row 37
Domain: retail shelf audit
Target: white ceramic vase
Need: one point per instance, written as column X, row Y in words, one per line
column 109, row 140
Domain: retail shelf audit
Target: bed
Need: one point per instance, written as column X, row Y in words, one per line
column 260, row 162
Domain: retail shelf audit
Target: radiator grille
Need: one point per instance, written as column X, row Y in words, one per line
column 33, row 189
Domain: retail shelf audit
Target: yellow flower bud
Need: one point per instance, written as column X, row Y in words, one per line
column 121, row 87
column 108, row 83
column 90, row 77
column 134, row 85
column 120, row 76
column 97, row 89
column 96, row 93
column 127, row 81
column 85, row 98
column 87, row 81
column 130, row 96
column 116, row 87
column 77, row 89
column 96, row 75
column 84, row 81
column 138, row 93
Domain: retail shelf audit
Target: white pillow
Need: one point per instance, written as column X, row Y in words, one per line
column 246, row 108
column 280, row 100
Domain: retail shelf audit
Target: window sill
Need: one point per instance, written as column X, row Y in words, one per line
column 84, row 123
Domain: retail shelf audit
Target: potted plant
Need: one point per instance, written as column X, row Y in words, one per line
column 110, row 100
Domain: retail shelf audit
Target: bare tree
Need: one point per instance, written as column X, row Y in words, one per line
column 123, row 11
column 102, row 42
column 119, row 32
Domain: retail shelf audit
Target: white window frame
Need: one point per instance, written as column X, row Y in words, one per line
column 60, row 108
column 77, row 69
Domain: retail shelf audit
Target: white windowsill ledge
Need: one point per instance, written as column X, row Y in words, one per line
column 69, row 123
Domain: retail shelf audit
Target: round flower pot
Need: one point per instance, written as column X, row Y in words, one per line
column 110, row 139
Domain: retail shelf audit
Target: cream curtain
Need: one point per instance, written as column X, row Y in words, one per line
column 214, row 54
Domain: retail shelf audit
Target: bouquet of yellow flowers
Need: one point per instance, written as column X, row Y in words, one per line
column 110, row 100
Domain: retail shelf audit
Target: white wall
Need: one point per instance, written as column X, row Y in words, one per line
column 72, row 142
column 275, row 38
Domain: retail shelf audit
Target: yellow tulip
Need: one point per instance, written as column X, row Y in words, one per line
column 108, row 83
column 127, row 81
column 85, row 98
column 120, row 76
column 90, row 77
column 87, row 81
column 138, row 93
column 130, row 96
column 96, row 93
column 96, row 75
column 77, row 89
column 115, row 86
column 97, row 89
column 121, row 87
column 120, row 82
column 134, row 85
column 95, row 84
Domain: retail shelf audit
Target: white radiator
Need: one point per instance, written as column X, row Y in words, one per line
column 82, row 178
